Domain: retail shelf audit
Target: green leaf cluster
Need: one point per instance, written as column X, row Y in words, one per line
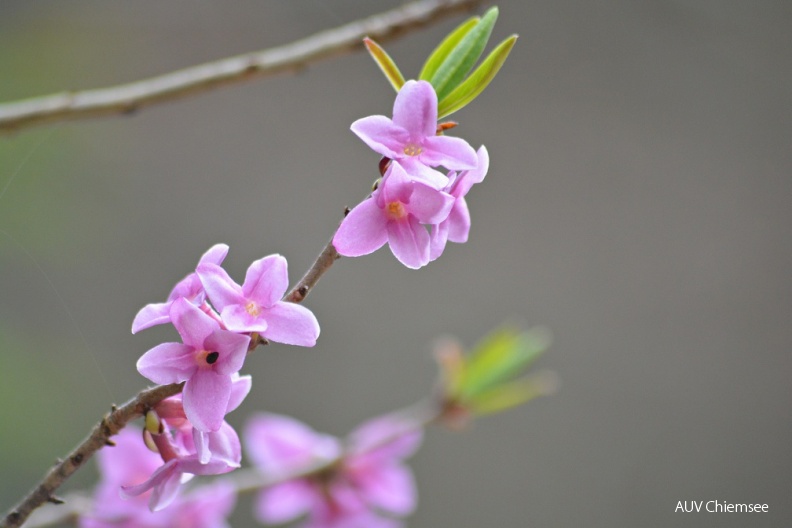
column 488, row 379
column 450, row 67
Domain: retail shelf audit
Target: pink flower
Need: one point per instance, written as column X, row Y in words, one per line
column 356, row 488
column 411, row 136
column 206, row 360
column 394, row 214
column 256, row 306
column 189, row 288
column 457, row 226
column 129, row 463
column 182, row 460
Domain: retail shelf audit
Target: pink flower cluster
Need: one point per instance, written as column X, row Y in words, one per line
column 217, row 320
column 130, row 463
column 365, row 483
column 416, row 209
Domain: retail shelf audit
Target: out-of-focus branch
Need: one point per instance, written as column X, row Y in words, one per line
column 248, row 480
column 126, row 99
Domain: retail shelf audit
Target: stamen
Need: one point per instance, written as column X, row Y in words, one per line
column 396, row 210
column 412, row 150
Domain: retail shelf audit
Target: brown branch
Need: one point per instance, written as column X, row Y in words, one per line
column 312, row 276
column 111, row 424
column 128, row 98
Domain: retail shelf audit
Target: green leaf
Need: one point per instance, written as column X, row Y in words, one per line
column 445, row 47
column 385, row 63
column 475, row 84
column 464, row 55
column 506, row 396
column 501, row 356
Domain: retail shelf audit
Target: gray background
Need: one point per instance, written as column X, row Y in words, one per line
column 638, row 204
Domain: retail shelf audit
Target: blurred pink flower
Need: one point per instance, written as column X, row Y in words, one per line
column 129, row 463
column 365, row 486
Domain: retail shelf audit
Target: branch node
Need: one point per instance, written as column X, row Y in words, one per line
column 77, row 459
column 54, row 499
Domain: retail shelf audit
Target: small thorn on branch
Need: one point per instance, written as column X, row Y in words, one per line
column 55, row 499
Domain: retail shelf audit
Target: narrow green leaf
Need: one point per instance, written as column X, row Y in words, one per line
column 479, row 79
column 445, row 47
column 464, row 55
column 506, row 396
column 385, row 63
column 501, row 356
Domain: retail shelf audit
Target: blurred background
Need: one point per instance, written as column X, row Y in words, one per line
column 638, row 204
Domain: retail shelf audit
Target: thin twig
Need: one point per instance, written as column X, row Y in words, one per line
column 126, row 99
column 312, row 276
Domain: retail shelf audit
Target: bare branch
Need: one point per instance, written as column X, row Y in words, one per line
column 128, row 98
column 99, row 437
column 312, row 276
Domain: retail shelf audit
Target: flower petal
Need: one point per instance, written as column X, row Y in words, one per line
column 232, row 349
column 239, row 390
column 292, row 324
column 225, row 446
column 206, row 396
column 214, row 255
column 390, row 487
column 164, row 484
column 459, row 222
column 151, row 315
column 396, row 185
column 451, row 152
column 168, row 363
column 221, row 288
column 415, row 109
column 409, row 242
column 438, row 239
column 237, row 319
column 363, row 231
column 429, row 205
column 193, row 325
column 266, row 280
column 285, row 502
column 379, row 133
column 467, row 179
column 419, row 171
column 388, row 437
column 280, row 445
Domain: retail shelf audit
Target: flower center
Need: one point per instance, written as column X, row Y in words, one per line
column 396, row 210
column 252, row 308
column 412, row 149
column 205, row 358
